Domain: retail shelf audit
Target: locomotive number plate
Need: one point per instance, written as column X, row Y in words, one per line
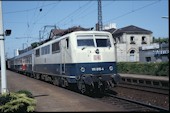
column 97, row 57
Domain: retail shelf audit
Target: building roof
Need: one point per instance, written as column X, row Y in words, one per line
column 110, row 30
column 131, row 29
column 61, row 32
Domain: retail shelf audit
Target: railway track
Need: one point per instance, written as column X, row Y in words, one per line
column 131, row 105
column 145, row 88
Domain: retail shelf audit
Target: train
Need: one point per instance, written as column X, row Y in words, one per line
column 85, row 59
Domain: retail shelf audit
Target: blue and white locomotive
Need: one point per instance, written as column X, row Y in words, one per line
column 84, row 58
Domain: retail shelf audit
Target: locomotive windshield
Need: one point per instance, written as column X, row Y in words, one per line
column 85, row 42
column 103, row 42
column 90, row 40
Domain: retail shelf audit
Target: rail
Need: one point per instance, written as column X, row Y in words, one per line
column 145, row 88
column 151, row 107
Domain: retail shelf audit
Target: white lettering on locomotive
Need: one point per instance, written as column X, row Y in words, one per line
column 97, row 69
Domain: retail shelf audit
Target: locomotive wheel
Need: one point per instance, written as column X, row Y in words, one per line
column 55, row 81
column 64, row 82
column 82, row 86
column 32, row 75
column 37, row 76
column 101, row 87
column 98, row 88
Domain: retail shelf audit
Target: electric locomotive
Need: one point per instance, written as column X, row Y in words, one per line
column 84, row 58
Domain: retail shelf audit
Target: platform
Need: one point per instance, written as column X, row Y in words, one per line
column 145, row 80
column 149, row 77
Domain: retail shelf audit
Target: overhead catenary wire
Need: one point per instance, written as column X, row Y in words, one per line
column 132, row 11
column 81, row 9
column 77, row 15
column 72, row 13
column 40, row 17
column 37, row 20
column 27, row 10
column 90, row 12
column 127, row 13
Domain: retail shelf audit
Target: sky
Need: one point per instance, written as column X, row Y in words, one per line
column 27, row 19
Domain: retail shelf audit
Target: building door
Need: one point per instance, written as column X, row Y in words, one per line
column 132, row 55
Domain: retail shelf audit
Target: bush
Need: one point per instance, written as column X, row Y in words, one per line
column 4, row 99
column 28, row 94
column 157, row 69
column 16, row 102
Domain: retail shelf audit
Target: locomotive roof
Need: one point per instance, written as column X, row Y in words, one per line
column 61, row 32
column 62, row 37
column 25, row 54
column 75, row 32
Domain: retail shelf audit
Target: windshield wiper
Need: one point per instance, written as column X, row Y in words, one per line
column 83, row 47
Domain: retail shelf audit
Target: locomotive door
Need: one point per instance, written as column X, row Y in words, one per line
column 62, row 51
column 32, row 60
column 65, row 54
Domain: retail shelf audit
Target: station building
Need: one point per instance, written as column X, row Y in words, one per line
column 128, row 40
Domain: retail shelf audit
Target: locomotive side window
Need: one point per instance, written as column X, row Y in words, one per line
column 37, row 53
column 55, row 47
column 45, row 50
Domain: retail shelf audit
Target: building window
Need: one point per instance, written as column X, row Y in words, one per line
column 148, row 59
column 144, row 40
column 132, row 40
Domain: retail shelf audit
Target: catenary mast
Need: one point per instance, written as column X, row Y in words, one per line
column 2, row 55
column 100, row 24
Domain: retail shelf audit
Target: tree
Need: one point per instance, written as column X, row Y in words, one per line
column 160, row 40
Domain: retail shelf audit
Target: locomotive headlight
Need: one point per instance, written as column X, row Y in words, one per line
column 111, row 68
column 82, row 69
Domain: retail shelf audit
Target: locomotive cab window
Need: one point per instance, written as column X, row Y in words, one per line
column 102, row 41
column 85, row 40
